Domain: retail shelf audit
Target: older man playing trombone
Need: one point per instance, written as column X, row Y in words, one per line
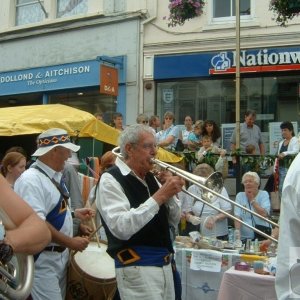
column 137, row 213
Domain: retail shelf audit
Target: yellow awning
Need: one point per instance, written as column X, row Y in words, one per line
column 34, row 119
column 167, row 156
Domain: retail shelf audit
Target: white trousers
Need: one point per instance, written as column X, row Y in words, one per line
column 146, row 283
column 50, row 276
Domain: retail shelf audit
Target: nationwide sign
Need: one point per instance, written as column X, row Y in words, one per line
column 262, row 60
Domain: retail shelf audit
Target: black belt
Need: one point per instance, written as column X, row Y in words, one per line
column 55, row 249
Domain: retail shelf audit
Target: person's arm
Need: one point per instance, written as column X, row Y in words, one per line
column 262, row 204
column 30, row 234
column 262, row 149
column 293, row 147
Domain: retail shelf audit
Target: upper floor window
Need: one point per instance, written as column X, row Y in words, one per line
column 67, row 8
column 226, row 8
column 29, row 11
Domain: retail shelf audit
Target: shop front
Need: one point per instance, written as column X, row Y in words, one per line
column 93, row 85
column 202, row 85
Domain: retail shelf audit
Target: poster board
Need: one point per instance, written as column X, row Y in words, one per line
column 226, row 133
column 275, row 135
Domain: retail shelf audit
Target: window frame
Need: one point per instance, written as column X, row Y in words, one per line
column 231, row 19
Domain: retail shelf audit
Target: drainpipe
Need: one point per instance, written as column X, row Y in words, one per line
column 141, row 71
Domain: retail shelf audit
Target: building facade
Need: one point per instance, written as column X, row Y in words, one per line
column 191, row 68
column 53, row 52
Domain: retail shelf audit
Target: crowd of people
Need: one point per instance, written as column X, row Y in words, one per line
column 141, row 213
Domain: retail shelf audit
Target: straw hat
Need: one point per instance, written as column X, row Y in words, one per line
column 52, row 138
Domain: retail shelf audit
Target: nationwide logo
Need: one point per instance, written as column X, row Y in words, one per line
column 259, row 61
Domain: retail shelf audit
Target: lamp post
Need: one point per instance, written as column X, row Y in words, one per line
column 237, row 92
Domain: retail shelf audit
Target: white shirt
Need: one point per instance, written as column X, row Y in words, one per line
column 124, row 221
column 289, row 238
column 41, row 194
column 196, row 207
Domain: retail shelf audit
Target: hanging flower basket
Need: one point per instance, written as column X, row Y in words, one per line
column 183, row 10
column 285, row 10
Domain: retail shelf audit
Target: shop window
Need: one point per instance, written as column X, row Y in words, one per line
column 226, row 8
column 67, row 8
column 29, row 11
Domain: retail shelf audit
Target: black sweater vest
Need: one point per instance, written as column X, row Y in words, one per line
column 155, row 233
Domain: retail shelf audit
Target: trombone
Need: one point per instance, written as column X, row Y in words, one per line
column 212, row 187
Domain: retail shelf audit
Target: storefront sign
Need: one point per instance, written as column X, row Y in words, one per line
column 210, row 64
column 109, row 81
column 264, row 60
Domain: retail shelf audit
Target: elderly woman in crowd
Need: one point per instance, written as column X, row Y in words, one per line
column 13, row 165
column 212, row 221
column 254, row 199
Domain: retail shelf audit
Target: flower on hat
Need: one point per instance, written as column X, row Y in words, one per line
column 183, row 10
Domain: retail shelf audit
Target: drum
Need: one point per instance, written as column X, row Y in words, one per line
column 91, row 274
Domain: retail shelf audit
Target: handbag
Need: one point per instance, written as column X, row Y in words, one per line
column 265, row 229
column 179, row 146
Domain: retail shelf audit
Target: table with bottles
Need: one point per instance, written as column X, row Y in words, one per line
column 202, row 270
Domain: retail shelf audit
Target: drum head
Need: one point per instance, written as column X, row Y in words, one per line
column 95, row 261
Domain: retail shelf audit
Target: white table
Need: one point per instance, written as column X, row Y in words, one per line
column 197, row 284
column 243, row 285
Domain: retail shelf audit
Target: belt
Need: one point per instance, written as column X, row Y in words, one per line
column 143, row 256
column 55, row 249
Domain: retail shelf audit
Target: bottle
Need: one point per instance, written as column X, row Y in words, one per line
column 256, row 246
column 231, row 236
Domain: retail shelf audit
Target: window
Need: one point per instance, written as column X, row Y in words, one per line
column 29, row 11
column 67, row 8
column 226, row 8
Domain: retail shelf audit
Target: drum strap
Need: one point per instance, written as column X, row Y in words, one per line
column 143, row 256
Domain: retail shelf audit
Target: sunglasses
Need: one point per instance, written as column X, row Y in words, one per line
column 145, row 122
column 168, row 118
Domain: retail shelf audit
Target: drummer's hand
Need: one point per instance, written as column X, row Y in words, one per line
column 84, row 213
column 79, row 243
column 85, row 229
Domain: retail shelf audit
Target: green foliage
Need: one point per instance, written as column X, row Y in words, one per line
column 284, row 10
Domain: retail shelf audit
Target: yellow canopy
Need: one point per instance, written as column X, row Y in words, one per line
column 34, row 119
column 167, row 156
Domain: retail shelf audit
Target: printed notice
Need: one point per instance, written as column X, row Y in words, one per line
column 206, row 260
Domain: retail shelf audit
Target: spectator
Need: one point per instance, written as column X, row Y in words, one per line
column 99, row 116
column 154, row 122
column 188, row 124
column 288, row 146
column 118, row 121
column 142, row 119
column 169, row 136
column 249, row 134
column 255, row 200
column 213, row 222
column 13, row 165
column 195, row 137
column 211, row 129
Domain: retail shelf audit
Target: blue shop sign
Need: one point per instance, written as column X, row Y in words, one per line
column 51, row 78
column 224, row 62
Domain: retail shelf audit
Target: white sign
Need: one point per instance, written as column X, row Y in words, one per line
column 206, row 260
column 275, row 135
column 227, row 130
